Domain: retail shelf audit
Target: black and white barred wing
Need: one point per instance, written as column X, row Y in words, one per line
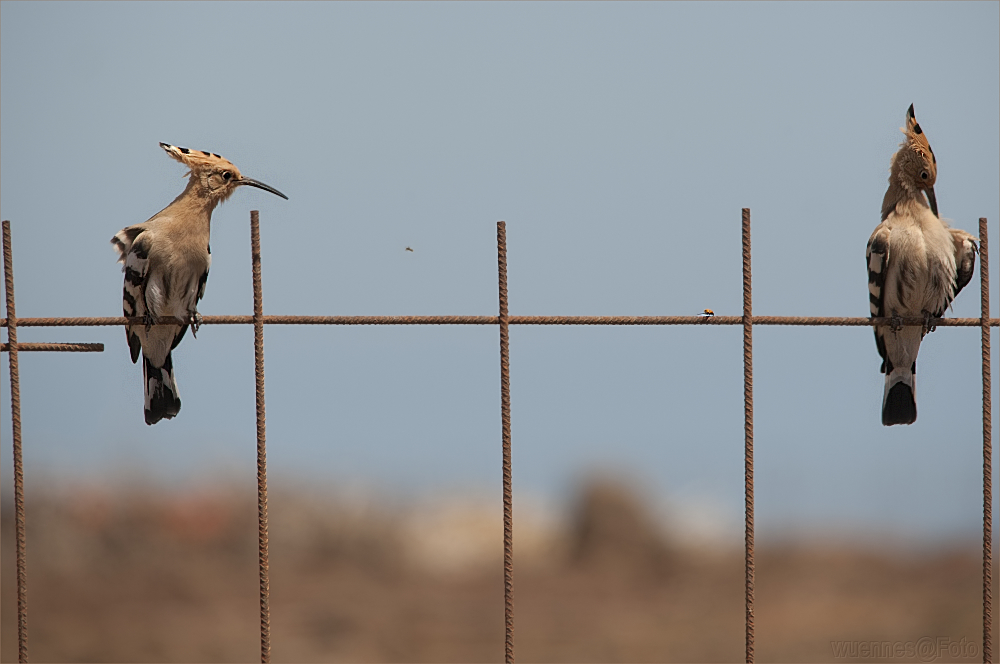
column 965, row 258
column 134, row 256
column 877, row 257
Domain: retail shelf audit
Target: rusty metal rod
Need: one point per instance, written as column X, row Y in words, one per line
column 834, row 321
column 15, row 417
column 65, row 348
column 738, row 320
column 508, row 501
column 748, row 321
column 984, row 281
column 103, row 321
column 258, row 349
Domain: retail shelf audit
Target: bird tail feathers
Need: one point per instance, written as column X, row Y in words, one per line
column 899, row 401
column 162, row 398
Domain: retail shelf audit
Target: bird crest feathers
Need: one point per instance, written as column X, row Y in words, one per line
column 199, row 160
column 916, row 140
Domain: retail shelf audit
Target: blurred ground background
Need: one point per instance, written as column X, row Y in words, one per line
column 141, row 573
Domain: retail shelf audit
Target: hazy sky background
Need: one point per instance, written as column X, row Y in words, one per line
column 618, row 141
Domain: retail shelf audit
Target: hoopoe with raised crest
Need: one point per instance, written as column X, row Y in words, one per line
column 166, row 261
column 916, row 267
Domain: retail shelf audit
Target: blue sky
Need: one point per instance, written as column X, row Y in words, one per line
column 618, row 141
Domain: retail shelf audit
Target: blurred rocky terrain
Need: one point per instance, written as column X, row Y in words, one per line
column 146, row 575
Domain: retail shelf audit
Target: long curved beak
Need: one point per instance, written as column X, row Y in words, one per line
column 932, row 200
column 265, row 187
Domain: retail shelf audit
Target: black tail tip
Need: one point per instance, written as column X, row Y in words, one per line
column 154, row 417
column 163, row 406
column 900, row 406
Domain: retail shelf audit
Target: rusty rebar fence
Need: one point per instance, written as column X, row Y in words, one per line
column 504, row 320
column 749, row 570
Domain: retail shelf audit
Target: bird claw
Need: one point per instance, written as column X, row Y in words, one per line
column 927, row 323
column 195, row 322
column 895, row 323
column 149, row 320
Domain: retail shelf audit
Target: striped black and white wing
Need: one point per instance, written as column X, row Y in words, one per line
column 877, row 257
column 133, row 292
column 965, row 258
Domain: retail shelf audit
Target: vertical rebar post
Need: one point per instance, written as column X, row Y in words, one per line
column 748, row 430
column 984, row 280
column 258, row 348
column 15, row 417
column 508, row 508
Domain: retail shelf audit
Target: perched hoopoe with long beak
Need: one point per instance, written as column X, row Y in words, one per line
column 916, row 267
column 166, row 261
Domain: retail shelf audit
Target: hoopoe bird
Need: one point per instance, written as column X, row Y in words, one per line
column 916, row 267
column 166, row 261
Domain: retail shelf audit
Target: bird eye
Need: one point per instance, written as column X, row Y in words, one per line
column 923, row 175
column 226, row 175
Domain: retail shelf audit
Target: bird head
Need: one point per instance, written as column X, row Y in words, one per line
column 216, row 178
column 914, row 165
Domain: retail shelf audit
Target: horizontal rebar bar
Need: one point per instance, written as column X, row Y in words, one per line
column 737, row 320
column 63, row 348
column 836, row 321
column 270, row 320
